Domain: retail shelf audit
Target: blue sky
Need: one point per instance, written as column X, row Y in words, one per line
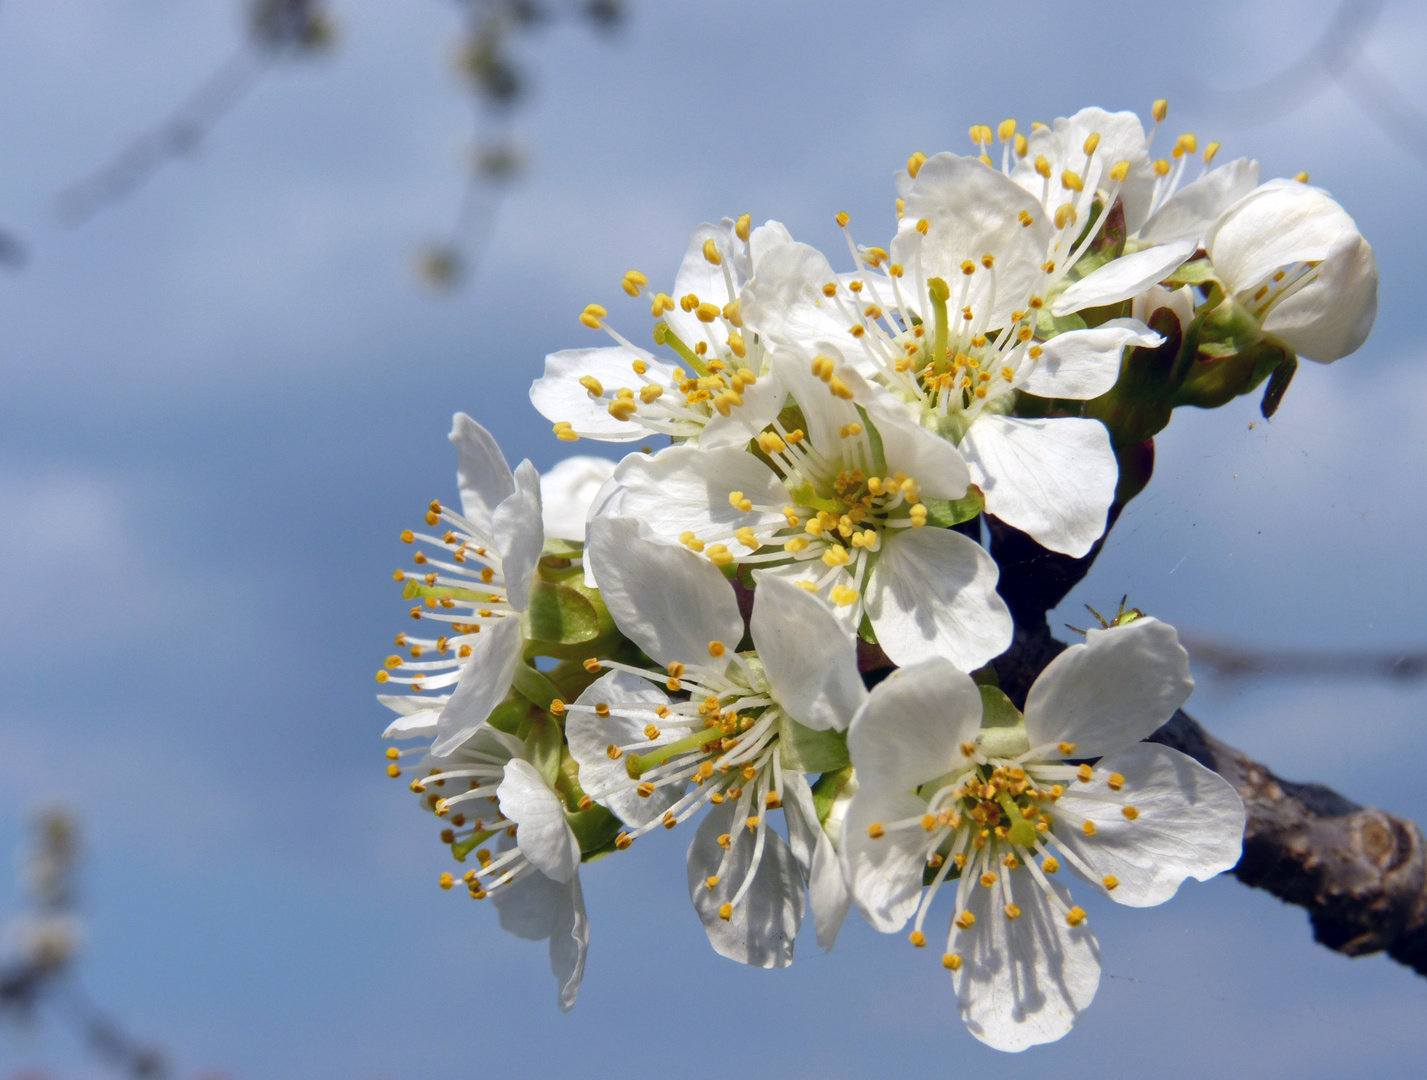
column 225, row 397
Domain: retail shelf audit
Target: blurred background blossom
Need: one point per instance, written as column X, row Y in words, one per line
column 225, row 396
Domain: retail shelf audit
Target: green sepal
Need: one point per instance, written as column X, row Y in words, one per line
column 510, row 714
column 544, row 742
column 559, row 615
column 996, row 708
column 1049, row 326
column 807, row 751
column 534, row 686
column 986, row 676
column 948, row 512
column 595, row 829
column 566, row 619
column 555, row 548
column 1197, row 272
column 827, row 789
column 1003, row 728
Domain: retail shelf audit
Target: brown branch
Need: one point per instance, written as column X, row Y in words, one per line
column 1360, row 872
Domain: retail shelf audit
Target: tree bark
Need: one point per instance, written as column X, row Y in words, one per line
column 1360, row 872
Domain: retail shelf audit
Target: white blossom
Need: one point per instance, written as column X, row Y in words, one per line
column 739, row 743
column 489, row 794
column 996, row 804
column 476, row 577
column 839, row 504
column 711, row 389
column 568, row 492
column 1294, row 258
column 952, row 330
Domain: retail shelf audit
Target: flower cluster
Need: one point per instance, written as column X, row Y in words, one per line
column 690, row 633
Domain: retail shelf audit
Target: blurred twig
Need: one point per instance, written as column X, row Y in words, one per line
column 1231, row 661
column 275, row 29
column 46, row 939
column 491, row 31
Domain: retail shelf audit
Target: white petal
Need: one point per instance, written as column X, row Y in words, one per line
column 1190, row 823
column 761, row 403
column 1122, row 138
column 1122, row 278
column 1190, row 211
column 545, row 838
column 481, row 471
column 529, row 907
column 811, row 660
column 667, row 600
column 569, row 944
column 1281, row 223
column 784, row 303
column 1024, row 981
column 765, row 238
column 608, row 781
column 937, row 465
column 705, row 280
column 416, row 715
column 763, row 924
column 535, row 908
column 1181, row 301
column 519, row 535
column 1111, row 692
column 973, row 211
column 1054, row 478
column 484, row 682
column 885, row 875
column 1331, row 316
column 606, row 501
column 913, row 725
column 568, row 490
column 1083, row 364
column 686, row 488
column 827, row 889
column 933, row 593
column 559, row 396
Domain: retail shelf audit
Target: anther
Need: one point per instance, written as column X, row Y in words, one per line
column 1075, row 916
column 1130, row 813
column 1119, row 171
column 1088, row 828
column 711, row 252
column 592, row 316
column 1110, row 881
column 446, row 881
column 623, row 840
column 1006, row 130
column 1160, row 110
column 965, row 920
column 1092, row 141
column 842, row 219
column 725, row 912
column 1066, row 748
column 917, row 938
column 876, row 830
column 1050, row 864
column 915, row 163
column 1083, row 774
column 923, row 225
column 951, row 961
column 585, row 802
column 669, row 819
column 1012, row 911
